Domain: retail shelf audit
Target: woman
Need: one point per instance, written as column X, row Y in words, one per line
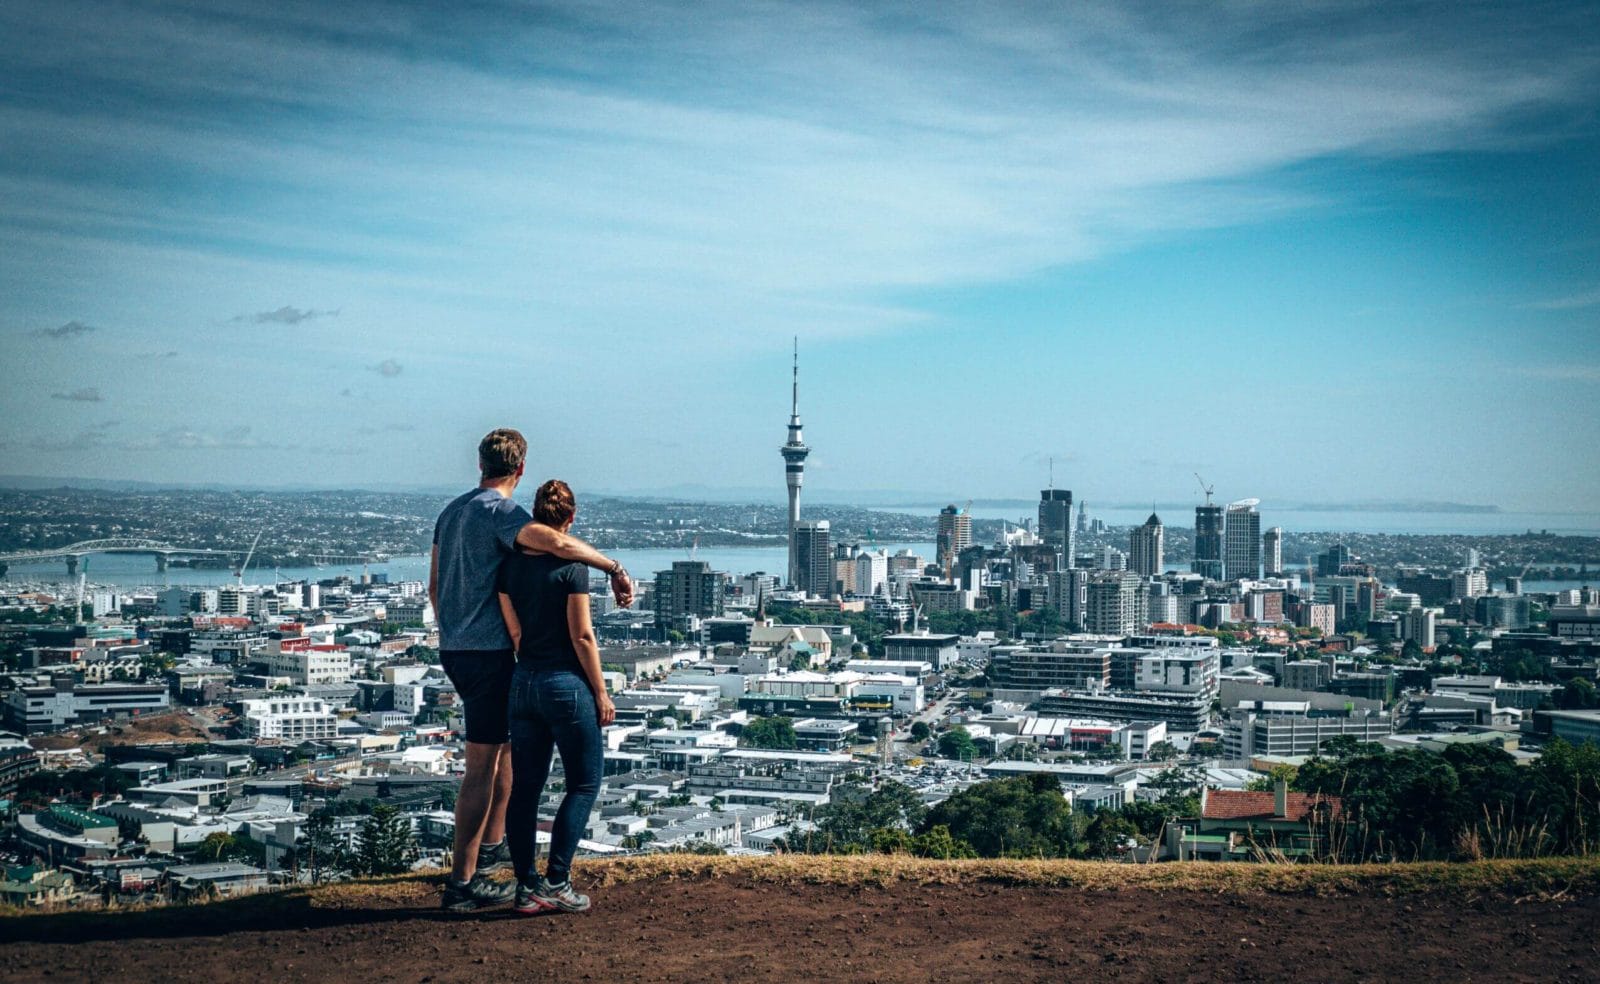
column 558, row 699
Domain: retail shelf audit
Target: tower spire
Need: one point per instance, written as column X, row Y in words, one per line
column 794, row 464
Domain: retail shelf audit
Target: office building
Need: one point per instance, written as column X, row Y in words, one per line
column 813, row 558
column 1241, row 533
column 1272, row 551
column 954, row 536
column 1207, row 560
column 63, row 703
column 1145, row 547
column 1055, row 524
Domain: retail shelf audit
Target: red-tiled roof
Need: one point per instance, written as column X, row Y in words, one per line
column 1236, row 804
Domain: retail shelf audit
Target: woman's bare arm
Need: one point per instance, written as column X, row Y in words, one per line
column 581, row 630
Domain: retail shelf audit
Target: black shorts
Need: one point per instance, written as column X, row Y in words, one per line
column 482, row 678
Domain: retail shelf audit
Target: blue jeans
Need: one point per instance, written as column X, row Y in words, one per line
column 551, row 709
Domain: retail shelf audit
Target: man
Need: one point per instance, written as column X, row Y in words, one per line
column 473, row 535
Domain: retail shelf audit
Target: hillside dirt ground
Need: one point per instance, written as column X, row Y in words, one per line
column 740, row 926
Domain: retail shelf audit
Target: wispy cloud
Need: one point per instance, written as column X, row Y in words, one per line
column 1571, row 302
column 183, row 438
column 388, row 368
column 756, row 168
column 72, row 329
column 85, row 394
column 1573, row 373
column 285, row 315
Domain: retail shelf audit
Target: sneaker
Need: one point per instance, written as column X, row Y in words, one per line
column 479, row 893
column 560, row 896
column 528, row 902
column 493, row 857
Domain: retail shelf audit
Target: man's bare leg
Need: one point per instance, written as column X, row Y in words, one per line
column 473, row 804
column 494, row 828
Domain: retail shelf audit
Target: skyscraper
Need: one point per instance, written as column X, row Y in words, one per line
column 1272, row 551
column 813, row 558
column 1145, row 547
column 1207, row 542
column 690, row 590
column 794, row 470
column 954, row 536
column 1242, row 540
column 1055, row 523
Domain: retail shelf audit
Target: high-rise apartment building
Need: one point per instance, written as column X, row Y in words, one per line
column 1207, row 560
column 1055, row 523
column 1241, row 554
column 871, row 573
column 954, row 536
column 813, row 558
column 1272, row 551
column 1145, row 547
column 1114, row 604
column 690, row 590
column 1470, row 583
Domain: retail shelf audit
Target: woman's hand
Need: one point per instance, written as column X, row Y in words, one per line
column 606, row 710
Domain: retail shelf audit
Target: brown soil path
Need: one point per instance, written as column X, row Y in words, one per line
column 741, row 929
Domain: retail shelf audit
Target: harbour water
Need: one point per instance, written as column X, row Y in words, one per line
column 132, row 570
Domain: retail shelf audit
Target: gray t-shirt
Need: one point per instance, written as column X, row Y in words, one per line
column 476, row 531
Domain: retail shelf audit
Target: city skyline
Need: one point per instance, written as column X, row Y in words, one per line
column 334, row 246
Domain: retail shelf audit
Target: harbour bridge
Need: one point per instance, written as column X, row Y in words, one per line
column 74, row 552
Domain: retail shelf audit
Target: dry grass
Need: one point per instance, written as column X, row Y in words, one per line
column 1543, row 878
column 1517, row 878
column 1522, row 880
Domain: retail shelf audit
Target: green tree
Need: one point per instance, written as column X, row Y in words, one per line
column 1162, row 751
column 1282, row 772
column 937, row 842
column 857, row 820
column 957, row 743
column 324, row 852
column 1107, row 835
column 1577, row 695
column 768, row 732
column 385, row 845
column 1025, row 816
column 919, row 731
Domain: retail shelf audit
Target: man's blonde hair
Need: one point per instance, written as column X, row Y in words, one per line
column 501, row 453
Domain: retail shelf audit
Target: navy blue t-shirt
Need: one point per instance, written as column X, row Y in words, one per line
column 538, row 587
column 474, row 533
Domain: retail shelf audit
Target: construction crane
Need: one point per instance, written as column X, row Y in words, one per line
column 1207, row 489
column 252, row 552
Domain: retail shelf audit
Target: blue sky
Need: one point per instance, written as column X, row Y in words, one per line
column 1317, row 252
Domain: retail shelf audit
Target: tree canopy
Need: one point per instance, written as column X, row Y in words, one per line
column 768, row 732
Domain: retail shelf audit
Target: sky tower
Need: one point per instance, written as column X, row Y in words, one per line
column 794, row 464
